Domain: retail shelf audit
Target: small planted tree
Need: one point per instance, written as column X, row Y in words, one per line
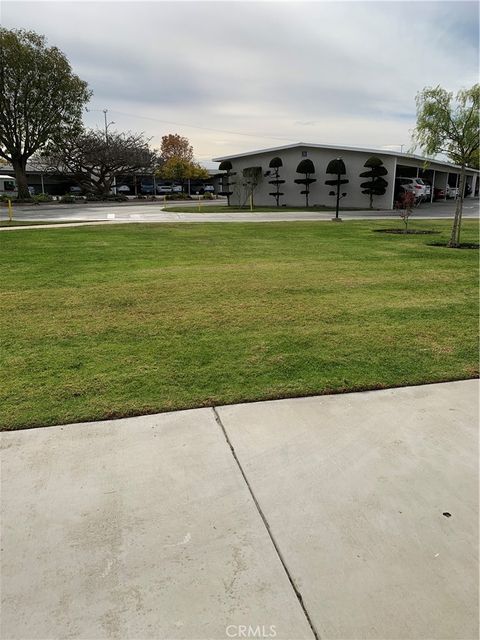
column 337, row 168
column 376, row 185
column 307, row 168
column 252, row 176
column 275, row 164
column 404, row 205
column 226, row 166
column 450, row 125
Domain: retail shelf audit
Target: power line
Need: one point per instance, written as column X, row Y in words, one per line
column 193, row 126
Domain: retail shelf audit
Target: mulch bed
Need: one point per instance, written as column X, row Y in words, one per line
column 416, row 232
column 462, row 245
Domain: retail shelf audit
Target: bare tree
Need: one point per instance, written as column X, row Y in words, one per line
column 93, row 159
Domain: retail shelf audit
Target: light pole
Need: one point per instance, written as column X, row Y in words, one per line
column 107, row 124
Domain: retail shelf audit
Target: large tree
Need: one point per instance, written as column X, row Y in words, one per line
column 41, row 99
column 450, row 125
column 93, row 158
column 176, row 146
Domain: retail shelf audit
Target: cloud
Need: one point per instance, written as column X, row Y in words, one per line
column 261, row 72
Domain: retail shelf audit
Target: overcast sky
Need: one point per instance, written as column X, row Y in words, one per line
column 238, row 76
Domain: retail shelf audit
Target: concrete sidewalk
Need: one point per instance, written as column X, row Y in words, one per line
column 348, row 516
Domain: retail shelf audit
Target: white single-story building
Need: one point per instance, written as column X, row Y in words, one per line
column 438, row 173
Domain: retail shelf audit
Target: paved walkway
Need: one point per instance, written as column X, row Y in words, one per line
column 334, row 517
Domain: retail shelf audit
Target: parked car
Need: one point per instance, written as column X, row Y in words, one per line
column 413, row 185
column 8, row 186
column 438, row 194
column 428, row 191
column 452, row 192
column 123, row 188
column 146, row 187
column 163, row 189
column 177, row 188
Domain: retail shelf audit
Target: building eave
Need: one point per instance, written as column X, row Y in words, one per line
column 386, row 152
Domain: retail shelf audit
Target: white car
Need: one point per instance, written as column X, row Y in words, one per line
column 452, row 192
column 413, row 185
column 177, row 188
column 163, row 189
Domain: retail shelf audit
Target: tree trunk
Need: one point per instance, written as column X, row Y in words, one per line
column 19, row 166
column 457, row 221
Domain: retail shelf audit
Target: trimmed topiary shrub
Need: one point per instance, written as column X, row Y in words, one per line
column 337, row 168
column 275, row 164
column 307, row 168
column 377, row 185
column 226, row 166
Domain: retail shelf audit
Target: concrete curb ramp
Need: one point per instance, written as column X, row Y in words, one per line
column 345, row 517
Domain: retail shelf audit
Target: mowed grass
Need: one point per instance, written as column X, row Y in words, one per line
column 101, row 322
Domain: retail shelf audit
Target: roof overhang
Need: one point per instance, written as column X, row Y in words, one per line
column 385, row 152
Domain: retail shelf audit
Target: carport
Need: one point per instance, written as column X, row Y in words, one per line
column 437, row 175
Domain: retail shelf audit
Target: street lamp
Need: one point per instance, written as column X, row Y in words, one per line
column 107, row 124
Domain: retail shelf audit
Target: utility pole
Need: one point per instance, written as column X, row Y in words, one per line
column 107, row 124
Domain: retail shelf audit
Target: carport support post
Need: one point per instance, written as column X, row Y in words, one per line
column 154, row 186
column 41, row 180
column 432, row 191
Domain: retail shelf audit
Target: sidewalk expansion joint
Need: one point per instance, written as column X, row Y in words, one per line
column 267, row 526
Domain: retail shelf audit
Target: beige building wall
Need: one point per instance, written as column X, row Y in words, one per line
column 319, row 191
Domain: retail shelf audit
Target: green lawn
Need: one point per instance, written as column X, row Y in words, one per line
column 101, row 322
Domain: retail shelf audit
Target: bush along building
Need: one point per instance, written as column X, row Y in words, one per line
column 368, row 180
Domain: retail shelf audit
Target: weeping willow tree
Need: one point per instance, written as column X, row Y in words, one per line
column 450, row 125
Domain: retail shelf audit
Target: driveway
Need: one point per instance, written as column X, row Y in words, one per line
column 153, row 212
column 334, row 517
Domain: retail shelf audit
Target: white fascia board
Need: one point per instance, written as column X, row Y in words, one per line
column 386, row 152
